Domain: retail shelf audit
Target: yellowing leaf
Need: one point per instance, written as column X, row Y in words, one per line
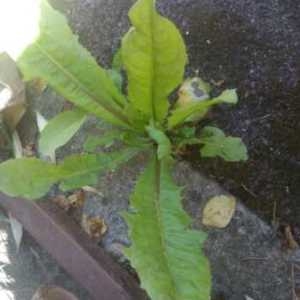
column 219, row 211
column 182, row 114
column 193, row 90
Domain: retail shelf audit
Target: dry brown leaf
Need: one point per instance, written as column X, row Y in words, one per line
column 62, row 201
column 291, row 242
column 77, row 199
column 38, row 86
column 12, row 104
column 29, row 150
column 219, row 211
column 218, row 83
column 95, row 227
column 73, row 201
column 53, row 293
column 92, row 190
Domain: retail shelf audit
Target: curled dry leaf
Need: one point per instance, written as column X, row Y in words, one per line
column 29, row 150
column 95, row 227
column 77, row 199
column 12, row 93
column 62, row 201
column 92, row 190
column 53, row 293
column 73, row 201
column 289, row 236
column 38, row 86
column 219, row 211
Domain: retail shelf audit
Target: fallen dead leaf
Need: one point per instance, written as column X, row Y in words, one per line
column 219, row 211
column 92, row 190
column 62, row 201
column 38, row 86
column 73, row 201
column 29, row 150
column 218, row 83
column 53, row 293
column 12, row 104
column 291, row 242
column 77, row 199
column 95, row 227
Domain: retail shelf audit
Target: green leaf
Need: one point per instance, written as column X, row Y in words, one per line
column 182, row 114
column 184, row 136
column 165, row 252
column 188, row 142
column 81, row 170
column 32, row 178
column 57, row 57
column 27, row 177
column 107, row 139
column 215, row 143
column 131, row 139
column 117, row 62
column 229, row 96
column 116, row 77
column 186, row 132
column 154, row 56
column 60, row 130
column 164, row 145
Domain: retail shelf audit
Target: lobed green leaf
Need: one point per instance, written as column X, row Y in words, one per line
column 165, row 252
column 215, row 143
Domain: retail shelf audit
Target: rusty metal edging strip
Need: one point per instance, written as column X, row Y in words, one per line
column 85, row 261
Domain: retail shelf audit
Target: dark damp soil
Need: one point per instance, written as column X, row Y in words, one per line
column 252, row 46
column 269, row 182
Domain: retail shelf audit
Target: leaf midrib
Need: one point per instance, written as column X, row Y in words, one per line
column 175, row 292
column 111, row 110
column 153, row 76
column 97, row 168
